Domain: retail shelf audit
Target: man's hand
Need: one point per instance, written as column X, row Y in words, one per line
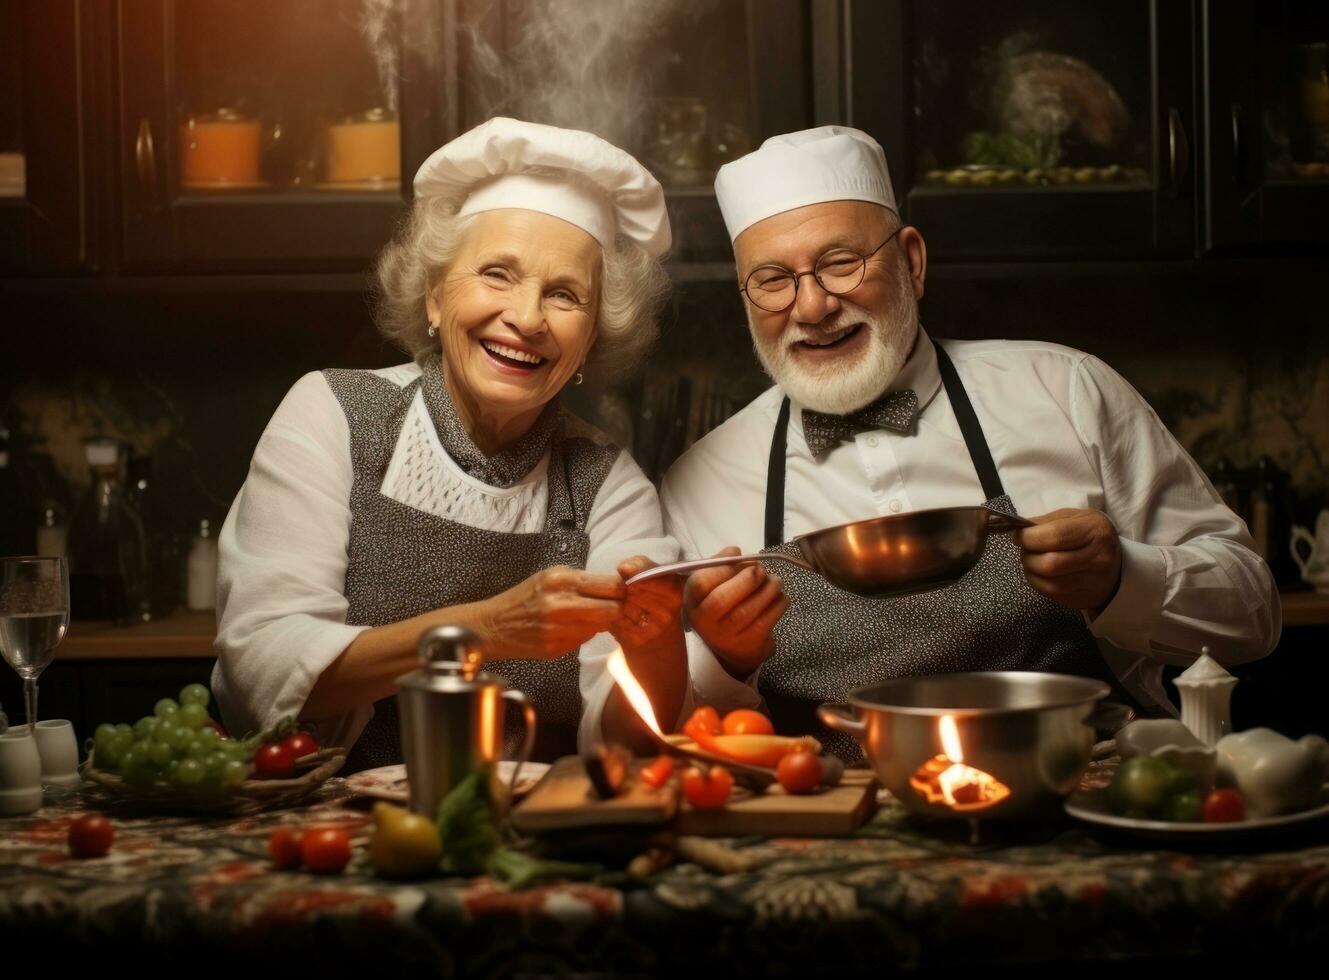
column 734, row 609
column 1073, row 557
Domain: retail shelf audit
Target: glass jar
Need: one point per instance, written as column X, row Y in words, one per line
column 107, row 548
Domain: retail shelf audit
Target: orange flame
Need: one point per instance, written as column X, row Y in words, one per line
column 635, row 693
column 946, row 779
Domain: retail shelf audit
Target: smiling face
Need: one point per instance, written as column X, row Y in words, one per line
column 516, row 316
column 834, row 353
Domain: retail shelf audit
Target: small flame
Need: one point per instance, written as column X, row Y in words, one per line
column 950, row 738
column 636, row 694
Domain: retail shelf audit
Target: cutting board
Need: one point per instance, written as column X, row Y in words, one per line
column 564, row 800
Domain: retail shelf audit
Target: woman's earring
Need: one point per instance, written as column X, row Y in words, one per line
column 578, row 378
column 433, row 330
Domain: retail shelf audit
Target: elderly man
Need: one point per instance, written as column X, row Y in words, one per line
column 1133, row 561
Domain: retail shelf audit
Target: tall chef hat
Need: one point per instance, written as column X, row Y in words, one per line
column 576, row 176
column 829, row 163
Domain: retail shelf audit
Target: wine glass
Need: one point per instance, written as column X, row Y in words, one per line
column 34, row 614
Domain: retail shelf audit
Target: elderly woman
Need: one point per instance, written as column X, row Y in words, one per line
column 454, row 489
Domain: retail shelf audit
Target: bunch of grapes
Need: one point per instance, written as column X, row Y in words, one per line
column 177, row 745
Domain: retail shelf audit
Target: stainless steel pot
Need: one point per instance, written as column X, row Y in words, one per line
column 1030, row 731
column 882, row 556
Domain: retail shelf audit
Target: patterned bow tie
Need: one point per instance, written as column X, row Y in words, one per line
column 896, row 410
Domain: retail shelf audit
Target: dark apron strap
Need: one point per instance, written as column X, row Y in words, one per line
column 974, row 440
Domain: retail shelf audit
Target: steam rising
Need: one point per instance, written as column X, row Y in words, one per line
column 377, row 24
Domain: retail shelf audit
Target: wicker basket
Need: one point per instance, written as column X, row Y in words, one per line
column 250, row 796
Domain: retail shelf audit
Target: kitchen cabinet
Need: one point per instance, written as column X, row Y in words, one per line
column 48, row 202
column 260, row 137
column 1264, row 94
column 1032, row 129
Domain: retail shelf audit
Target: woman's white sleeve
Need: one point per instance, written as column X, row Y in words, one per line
column 281, row 611
column 624, row 521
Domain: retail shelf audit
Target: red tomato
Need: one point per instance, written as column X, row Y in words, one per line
column 745, row 721
column 707, row 791
column 300, row 744
column 286, row 847
column 799, row 772
column 326, row 850
column 658, row 772
column 1224, row 806
column 90, row 836
column 274, row 761
column 704, row 721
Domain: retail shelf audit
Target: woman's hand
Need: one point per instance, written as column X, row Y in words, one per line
column 651, row 608
column 551, row 612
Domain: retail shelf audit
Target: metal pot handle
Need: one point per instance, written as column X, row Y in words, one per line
column 836, row 717
column 528, row 743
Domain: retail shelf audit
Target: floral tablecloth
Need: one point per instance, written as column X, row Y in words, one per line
column 897, row 894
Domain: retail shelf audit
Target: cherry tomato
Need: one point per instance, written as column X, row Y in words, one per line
column 745, row 721
column 300, row 744
column 90, row 836
column 274, row 761
column 658, row 772
column 799, row 772
column 1224, row 806
column 707, row 791
column 286, row 847
column 704, row 721
column 326, row 850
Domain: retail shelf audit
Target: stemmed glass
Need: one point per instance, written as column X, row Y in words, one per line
column 34, row 614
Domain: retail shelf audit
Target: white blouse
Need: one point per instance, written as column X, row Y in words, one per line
column 280, row 605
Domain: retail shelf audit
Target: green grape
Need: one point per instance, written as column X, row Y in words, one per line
column 104, row 731
column 214, row 766
column 236, row 750
column 165, row 708
column 193, row 715
column 208, row 736
column 131, row 763
column 234, row 772
column 178, row 737
column 195, row 694
column 146, row 727
column 199, row 750
column 160, row 753
column 124, row 729
column 101, row 746
column 170, row 768
column 189, row 772
column 111, row 756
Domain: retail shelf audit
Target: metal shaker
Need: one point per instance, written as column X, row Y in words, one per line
column 451, row 717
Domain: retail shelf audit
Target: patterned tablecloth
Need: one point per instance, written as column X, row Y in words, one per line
column 899, row 893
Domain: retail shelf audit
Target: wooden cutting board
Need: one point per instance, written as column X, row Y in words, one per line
column 564, row 800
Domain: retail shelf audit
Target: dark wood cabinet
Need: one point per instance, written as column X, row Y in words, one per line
column 1264, row 95
column 48, row 110
column 251, row 136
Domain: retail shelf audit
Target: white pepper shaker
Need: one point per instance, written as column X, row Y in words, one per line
column 201, row 570
column 1206, row 698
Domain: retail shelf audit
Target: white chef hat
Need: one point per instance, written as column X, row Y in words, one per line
column 829, row 163
column 576, row 176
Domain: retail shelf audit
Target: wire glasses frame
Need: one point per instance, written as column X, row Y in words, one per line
column 774, row 289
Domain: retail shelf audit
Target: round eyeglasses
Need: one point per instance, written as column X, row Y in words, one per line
column 774, row 288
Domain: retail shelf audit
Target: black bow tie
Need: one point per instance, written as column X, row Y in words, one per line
column 896, row 410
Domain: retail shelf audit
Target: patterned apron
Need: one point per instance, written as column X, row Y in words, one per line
column 830, row 642
column 403, row 562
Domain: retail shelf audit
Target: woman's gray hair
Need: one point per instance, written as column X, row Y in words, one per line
column 633, row 286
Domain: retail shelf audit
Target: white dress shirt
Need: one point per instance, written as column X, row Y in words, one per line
column 1064, row 430
column 281, row 609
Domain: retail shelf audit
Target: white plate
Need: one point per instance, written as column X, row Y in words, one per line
column 389, row 782
column 1092, row 807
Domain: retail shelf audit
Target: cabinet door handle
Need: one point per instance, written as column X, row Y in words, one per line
column 1238, row 164
column 1178, row 150
column 145, row 156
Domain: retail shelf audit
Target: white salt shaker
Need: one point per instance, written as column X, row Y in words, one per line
column 1206, row 698
column 201, row 570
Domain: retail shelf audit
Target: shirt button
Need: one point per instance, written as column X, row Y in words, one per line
column 895, row 506
column 872, row 440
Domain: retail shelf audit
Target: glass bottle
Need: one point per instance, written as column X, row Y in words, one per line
column 201, row 569
column 107, row 549
column 1225, row 482
column 163, row 555
column 52, row 531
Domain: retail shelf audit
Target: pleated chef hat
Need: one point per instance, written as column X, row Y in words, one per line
column 576, row 176
column 829, row 163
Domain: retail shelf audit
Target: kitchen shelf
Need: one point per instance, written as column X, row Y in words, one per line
column 182, row 635
column 1305, row 609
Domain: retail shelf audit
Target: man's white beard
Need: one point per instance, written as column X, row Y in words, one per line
column 839, row 388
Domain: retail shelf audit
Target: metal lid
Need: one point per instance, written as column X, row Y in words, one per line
column 450, row 659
